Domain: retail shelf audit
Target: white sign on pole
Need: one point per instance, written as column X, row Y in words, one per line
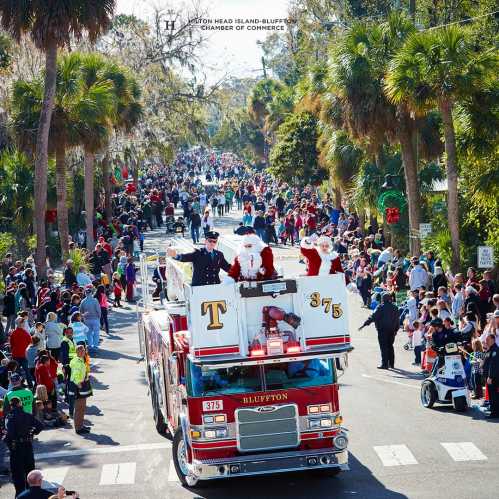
column 424, row 230
column 485, row 257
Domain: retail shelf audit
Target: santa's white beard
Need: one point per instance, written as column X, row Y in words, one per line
column 250, row 264
column 326, row 258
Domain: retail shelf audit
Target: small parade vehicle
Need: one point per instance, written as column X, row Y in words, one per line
column 244, row 376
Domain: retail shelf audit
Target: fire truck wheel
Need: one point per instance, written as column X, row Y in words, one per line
column 180, row 456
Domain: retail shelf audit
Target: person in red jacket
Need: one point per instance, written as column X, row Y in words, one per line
column 322, row 260
column 254, row 261
column 45, row 375
column 19, row 340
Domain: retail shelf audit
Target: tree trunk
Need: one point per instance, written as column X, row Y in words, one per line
column 107, row 188
column 337, row 198
column 452, row 197
column 362, row 219
column 89, row 198
column 41, row 158
column 62, row 205
column 412, row 185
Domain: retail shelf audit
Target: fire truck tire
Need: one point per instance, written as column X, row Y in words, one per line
column 159, row 420
column 179, row 453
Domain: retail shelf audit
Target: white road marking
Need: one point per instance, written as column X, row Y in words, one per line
column 55, row 474
column 172, row 474
column 463, row 451
column 379, row 378
column 395, row 455
column 118, row 474
column 108, row 449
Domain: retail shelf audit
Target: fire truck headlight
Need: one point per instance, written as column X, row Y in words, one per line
column 195, row 434
column 313, row 409
column 208, row 419
column 314, row 423
column 338, row 420
column 220, row 418
column 210, row 434
column 340, row 442
column 326, row 423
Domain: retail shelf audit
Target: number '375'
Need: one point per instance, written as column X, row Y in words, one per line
column 327, row 303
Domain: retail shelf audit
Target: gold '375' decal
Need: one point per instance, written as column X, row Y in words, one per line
column 214, row 309
column 327, row 303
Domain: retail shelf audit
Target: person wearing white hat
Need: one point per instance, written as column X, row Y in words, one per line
column 322, row 260
column 254, row 261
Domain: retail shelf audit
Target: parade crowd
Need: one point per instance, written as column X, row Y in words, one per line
column 52, row 323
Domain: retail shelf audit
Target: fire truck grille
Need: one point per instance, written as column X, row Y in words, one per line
column 266, row 428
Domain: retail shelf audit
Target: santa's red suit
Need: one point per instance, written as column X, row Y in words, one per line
column 320, row 262
column 254, row 261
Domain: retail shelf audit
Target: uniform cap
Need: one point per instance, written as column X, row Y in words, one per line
column 212, row 235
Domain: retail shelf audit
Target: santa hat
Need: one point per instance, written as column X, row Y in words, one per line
column 324, row 240
column 254, row 241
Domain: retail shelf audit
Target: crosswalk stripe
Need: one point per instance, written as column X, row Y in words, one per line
column 106, row 449
column 395, row 455
column 172, row 474
column 463, row 451
column 118, row 474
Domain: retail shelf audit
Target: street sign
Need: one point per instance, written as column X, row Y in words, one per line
column 424, row 230
column 485, row 257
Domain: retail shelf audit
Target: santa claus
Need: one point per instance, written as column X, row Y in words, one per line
column 322, row 260
column 254, row 261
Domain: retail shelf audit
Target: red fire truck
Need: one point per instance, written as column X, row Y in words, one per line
column 244, row 377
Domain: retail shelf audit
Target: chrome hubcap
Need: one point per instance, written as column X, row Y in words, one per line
column 182, row 458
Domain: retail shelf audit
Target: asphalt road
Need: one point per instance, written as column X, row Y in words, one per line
column 398, row 449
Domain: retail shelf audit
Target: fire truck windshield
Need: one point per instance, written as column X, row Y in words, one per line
column 205, row 381
column 245, row 379
column 314, row 372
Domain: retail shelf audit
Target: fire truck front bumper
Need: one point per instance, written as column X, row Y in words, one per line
column 279, row 462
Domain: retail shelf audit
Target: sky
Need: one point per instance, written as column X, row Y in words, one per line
column 228, row 52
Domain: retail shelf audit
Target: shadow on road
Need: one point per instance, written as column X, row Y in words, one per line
column 359, row 482
column 113, row 355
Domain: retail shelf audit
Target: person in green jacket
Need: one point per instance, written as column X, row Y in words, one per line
column 79, row 389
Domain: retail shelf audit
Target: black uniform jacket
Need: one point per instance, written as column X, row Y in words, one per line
column 205, row 267
column 385, row 318
column 20, row 426
column 491, row 365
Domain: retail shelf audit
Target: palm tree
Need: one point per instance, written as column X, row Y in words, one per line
column 357, row 74
column 74, row 102
column 434, row 69
column 51, row 24
column 129, row 111
column 94, row 128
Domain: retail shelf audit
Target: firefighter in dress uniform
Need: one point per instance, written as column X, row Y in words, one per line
column 20, row 427
column 206, row 262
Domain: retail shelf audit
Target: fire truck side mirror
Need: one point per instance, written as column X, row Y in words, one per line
column 341, row 364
